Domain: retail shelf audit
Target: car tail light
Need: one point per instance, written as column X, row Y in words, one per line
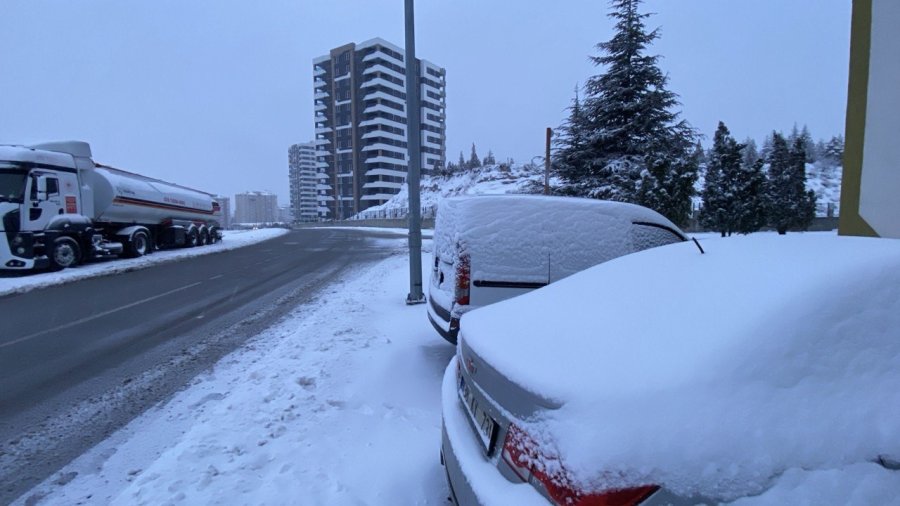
column 521, row 453
column 462, row 280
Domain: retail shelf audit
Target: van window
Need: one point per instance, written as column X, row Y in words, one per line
column 645, row 236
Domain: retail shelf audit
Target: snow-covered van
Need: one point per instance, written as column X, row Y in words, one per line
column 490, row 248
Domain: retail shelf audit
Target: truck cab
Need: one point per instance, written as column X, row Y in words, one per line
column 35, row 188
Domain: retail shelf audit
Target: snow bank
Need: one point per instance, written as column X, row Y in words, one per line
column 232, row 239
column 711, row 373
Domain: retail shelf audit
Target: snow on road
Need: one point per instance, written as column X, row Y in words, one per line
column 17, row 283
column 338, row 404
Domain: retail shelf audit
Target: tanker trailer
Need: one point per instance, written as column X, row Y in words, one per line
column 60, row 208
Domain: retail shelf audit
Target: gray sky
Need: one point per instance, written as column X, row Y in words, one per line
column 210, row 94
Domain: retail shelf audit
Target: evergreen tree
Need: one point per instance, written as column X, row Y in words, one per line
column 474, row 162
column 489, row 158
column 624, row 141
column 569, row 138
column 834, row 150
column 789, row 204
column 750, row 211
column 750, row 153
column 462, row 162
column 721, row 189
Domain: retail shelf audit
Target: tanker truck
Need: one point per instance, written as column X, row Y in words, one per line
column 59, row 208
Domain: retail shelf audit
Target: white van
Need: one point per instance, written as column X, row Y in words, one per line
column 490, row 248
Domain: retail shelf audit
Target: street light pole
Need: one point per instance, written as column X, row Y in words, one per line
column 413, row 143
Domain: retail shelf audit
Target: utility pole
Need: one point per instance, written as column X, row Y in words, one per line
column 547, row 163
column 413, row 142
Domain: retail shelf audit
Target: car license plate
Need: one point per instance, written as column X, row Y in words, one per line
column 485, row 426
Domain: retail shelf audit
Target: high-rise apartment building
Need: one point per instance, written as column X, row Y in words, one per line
column 360, row 116
column 225, row 206
column 256, row 207
column 304, row 181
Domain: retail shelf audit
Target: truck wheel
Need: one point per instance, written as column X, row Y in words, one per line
column 204, row 238
column 65, row 253
column 191, row 239
column 139, row 244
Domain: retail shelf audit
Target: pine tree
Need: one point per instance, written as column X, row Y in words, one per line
column 834, row 150
column 750, row 153
column 624, row 141
column 462, row 162
column 569, row 138
column 750, row 211
column 721, row 189
column 489, row 158
column 789, row 204
column 474, row 162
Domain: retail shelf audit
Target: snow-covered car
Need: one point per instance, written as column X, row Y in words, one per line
column 490, row 248
column 765, row 370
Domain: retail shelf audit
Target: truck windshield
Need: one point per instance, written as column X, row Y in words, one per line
column 12, row 182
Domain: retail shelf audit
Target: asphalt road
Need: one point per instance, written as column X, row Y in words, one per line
column 80, row 360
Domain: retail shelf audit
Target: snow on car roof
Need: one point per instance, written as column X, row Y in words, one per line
column 711, row 372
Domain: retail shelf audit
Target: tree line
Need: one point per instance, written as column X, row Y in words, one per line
column 623, row 140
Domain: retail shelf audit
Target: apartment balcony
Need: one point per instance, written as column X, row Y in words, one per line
column 384, row 147
column 378, row 197
column 381, row 68
column 378, row 81
column 385, row 172
column 323, row 130
column 320, row 107
column 386, row 159
column 385, row 109
column 383, row 184
column 384, row 56
column 387, row 135
column 382, row 121
column 321, row 95
column 372, row 95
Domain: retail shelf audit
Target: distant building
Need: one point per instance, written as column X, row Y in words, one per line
column 256, row 207
column 303, row 178
column 225, row 206
column 360, row 115
column 285, row 214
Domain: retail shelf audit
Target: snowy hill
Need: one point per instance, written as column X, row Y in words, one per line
column 487, row 180
column 822, row 178
column 825, row 179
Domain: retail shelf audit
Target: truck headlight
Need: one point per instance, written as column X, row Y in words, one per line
column 20, row 250
column 17, row 240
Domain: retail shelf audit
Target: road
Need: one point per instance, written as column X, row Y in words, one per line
column 80, row 360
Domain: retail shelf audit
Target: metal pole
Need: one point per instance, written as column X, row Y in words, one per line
column 413, row 133
column 547, row 163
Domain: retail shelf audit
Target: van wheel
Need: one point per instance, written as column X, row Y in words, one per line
column 139, row 244
column 64, row 253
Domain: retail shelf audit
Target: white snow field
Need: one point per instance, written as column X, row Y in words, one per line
column 340, row 404
column 232, row 239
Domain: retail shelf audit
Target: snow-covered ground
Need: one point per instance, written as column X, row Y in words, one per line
column 337, row 404
column 232, row 239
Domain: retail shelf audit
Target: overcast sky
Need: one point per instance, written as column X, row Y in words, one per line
column 210, row 94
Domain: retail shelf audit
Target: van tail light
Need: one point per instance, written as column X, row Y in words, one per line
column 521, row 454
column 463, row 271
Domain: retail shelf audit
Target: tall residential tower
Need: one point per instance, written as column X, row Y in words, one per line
column 306, row 203
column 360, row 116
